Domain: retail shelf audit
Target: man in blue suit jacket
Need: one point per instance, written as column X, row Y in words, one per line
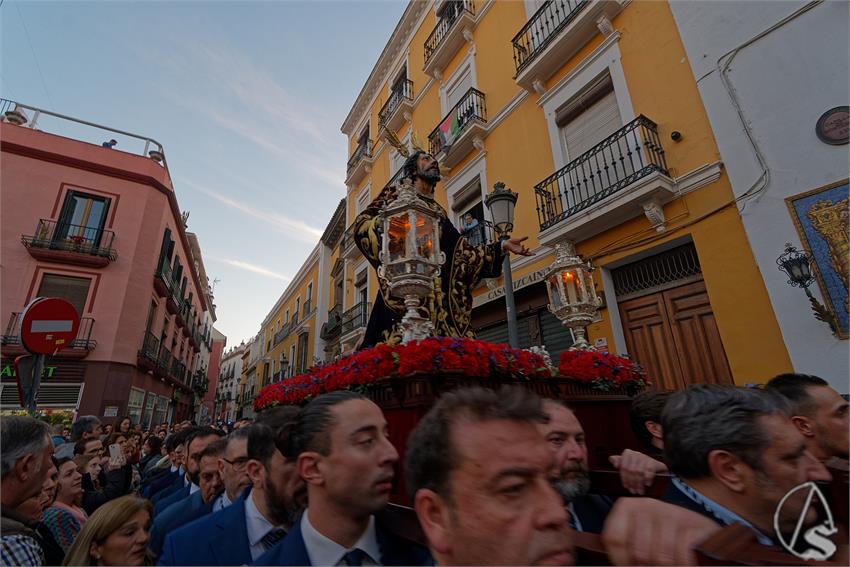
column 192, row 507
column 340, row 448
column 196, row 442
column 243, row 531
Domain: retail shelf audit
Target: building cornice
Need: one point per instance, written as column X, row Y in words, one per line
column 335, row 227
column 397, row 43
column 296, row 282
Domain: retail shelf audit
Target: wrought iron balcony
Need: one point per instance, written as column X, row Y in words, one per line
column 70, row 243
column 150, row 351
column 448, row 35
column 78, row 348
column 555, row 33
column 400, row 102
column 552, row 17
column 356, row 317
column 359, row 163
column 463, row 127
column 628, row 155
column 332, row 328
column 308, row 306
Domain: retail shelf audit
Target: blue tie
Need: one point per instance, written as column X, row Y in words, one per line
column 353, row 557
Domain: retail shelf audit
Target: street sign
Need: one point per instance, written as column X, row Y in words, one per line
column 48, row 324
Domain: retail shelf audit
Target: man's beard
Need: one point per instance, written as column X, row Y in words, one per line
column 577, row 485
column 431, row 176
column 283, row 511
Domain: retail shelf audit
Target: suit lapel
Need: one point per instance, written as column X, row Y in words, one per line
column 230, row 546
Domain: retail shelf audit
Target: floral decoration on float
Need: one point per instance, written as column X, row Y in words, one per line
column 452, row 355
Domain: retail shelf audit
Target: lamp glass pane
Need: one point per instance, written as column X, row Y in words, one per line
column 552, row 286
column 570, row 280
column 424, row 237
column 399, row 226
column 499, row 209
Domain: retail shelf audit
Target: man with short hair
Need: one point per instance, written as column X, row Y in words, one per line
column 198, row 504
column 566, row 439
column 645, row 420
column 196, row 442
column 735, row 455
column 170, row 476
column 90, row 448
column 86, row 427
column 231, row 468
column 258, row 519
column 479, row 474
column 818, row 412
column 340, row 449
column 26, row 462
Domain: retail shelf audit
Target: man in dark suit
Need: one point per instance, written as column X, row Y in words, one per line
column 241, row 532
column 340, row 449
column 478, row 472
column 566, row 439
column 196, row 505
column 163, row 481
column 196, row 442
column 736, row 454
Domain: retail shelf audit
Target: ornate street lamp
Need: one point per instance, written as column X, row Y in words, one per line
column 572, row 296
column 501, row 202
column 797, row 266
column 410, row 256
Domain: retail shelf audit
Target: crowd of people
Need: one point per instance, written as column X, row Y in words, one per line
column 493, row 477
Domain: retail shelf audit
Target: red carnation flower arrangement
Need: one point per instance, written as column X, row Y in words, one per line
column 602, row 371
column 434, row 354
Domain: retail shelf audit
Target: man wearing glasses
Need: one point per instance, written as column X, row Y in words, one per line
column 231, row 467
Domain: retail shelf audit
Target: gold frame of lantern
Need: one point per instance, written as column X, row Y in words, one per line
column 410, row 256
column 572, row 295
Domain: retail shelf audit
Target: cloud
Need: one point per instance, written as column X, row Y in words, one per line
column 294, row 228
column 247, row 266
column 230, row 89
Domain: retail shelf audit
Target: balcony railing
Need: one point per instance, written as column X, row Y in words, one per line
column 629, row 154
column 402, row 91
column 355, row 317
column 150, row 349
column 546, row 23
column 362, row 150
column 83, row 340
column 448, row 18
column 333, row 326
column 308, row 306
column 61, row 236
column 469, row 108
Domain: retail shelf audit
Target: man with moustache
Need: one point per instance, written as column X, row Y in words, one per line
column 566, row 439
column 341, row 451
column 450, row 305
column 196, row 442
column 736, row 454
column 259, row 518
column 195, row 505
column 479, row 474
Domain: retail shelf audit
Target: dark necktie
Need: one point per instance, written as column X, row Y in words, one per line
column 353, row 557
column 272, row 537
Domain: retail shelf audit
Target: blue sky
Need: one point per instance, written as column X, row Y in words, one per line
column 247, row 99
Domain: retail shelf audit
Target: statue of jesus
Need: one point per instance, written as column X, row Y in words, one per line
column 449, row 305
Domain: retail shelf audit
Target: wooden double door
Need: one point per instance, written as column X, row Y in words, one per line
column 674, row 336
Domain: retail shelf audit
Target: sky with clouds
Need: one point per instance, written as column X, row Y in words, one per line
column 247, row 98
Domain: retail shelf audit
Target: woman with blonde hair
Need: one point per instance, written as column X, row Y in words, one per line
column 116, row 534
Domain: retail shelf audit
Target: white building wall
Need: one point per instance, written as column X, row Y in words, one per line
column 783, row 82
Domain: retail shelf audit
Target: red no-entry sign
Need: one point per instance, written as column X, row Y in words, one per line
column 49, row 324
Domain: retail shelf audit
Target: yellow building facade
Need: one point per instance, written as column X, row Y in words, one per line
column 590, row 112
column 288, row 332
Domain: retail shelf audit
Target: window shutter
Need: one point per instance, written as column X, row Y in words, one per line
column 591, row 126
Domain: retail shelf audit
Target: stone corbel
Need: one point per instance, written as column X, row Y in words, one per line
column 605, row 26
column 539, row 87
column 654, row 211
column 478, row 142
column 368, row 168
column 438, row 74
column 467, row 35
column 407, row 115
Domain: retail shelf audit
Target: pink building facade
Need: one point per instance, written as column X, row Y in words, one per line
column 101, row 228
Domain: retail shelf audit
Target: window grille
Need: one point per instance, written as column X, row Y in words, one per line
column 658, row 271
